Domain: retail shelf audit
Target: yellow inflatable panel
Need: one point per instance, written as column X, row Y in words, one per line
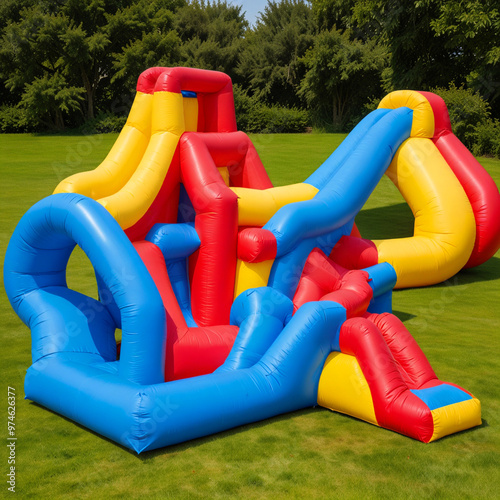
column 129, row 204
column 190, row 106
column 343, row 388
column 456, row 417
column 423, row 116
column 224, row 173
column 122, row 160
column 251, row 275
column 445, row 227
column 256, row 207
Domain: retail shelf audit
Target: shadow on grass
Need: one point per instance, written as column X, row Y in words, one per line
column 146, row 456
column 393, row 221
column 484, row 425
column 193, row 443
column 176, row 448
column 488, row 271
column 396, row 221
column 403, row 316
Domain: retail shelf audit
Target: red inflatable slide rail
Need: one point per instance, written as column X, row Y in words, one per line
column 479, row 187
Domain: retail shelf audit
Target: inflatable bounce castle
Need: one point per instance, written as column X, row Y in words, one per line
column 238, row 300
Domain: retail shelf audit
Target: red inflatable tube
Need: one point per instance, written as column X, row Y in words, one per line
column 147, row 80
column 405, row 350
column 478, row 185
column 250, row 173
column 189, row 351
column 154, row 261
column 353, row 252
column 354, row 293
column 323, row 279
column 216, row 88
column 197, row 351
column 236, row 152
column 213, row 266
column 256, row 245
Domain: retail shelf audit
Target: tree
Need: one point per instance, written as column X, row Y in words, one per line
column 475, row 26
column 212, row 34
column 47, row 98
column 342, row 74
column 75, row 43
column 419, row 58
column 271, row 60
column 150, row 39
column 333, row 13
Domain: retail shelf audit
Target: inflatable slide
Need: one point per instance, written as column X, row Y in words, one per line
column 238, row 301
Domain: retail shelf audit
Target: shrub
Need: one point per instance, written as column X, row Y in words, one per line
column 277, row 119
column 468, row 110
column 13, row 120
column 487, row 139
column 104, row 123
column 254, row 116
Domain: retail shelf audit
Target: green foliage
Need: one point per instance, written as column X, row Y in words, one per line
column 333, row 13
column 47, row 99
column 487, row 139
column 13, row 119
column 152, row 49
column 419, row 58
column 467, row 111
column 278, row 119
column 475, row 27
column 471, row 120
column 104, row 123
column 341, row 75
column 212, row 35
column 271, row 64
column 255, row 116
column 79, row 42
column 331, row 56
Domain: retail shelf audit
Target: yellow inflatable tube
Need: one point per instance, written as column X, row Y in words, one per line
column 256, row 207
column 445, row 229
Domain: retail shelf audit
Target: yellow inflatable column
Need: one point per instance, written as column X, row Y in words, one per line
column 251, row 275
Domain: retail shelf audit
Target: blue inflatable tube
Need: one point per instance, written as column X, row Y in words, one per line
column 144, row 417
column 64, row 321
column 177, row 242
column 320, row 177
column 343, row 195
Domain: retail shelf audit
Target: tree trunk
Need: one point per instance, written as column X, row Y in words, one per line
column 340, row 100
column 90, row 105
column 59, row 121
column 89, row 91
column 336, row 113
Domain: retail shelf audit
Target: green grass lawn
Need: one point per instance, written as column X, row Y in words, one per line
column 312, row 453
